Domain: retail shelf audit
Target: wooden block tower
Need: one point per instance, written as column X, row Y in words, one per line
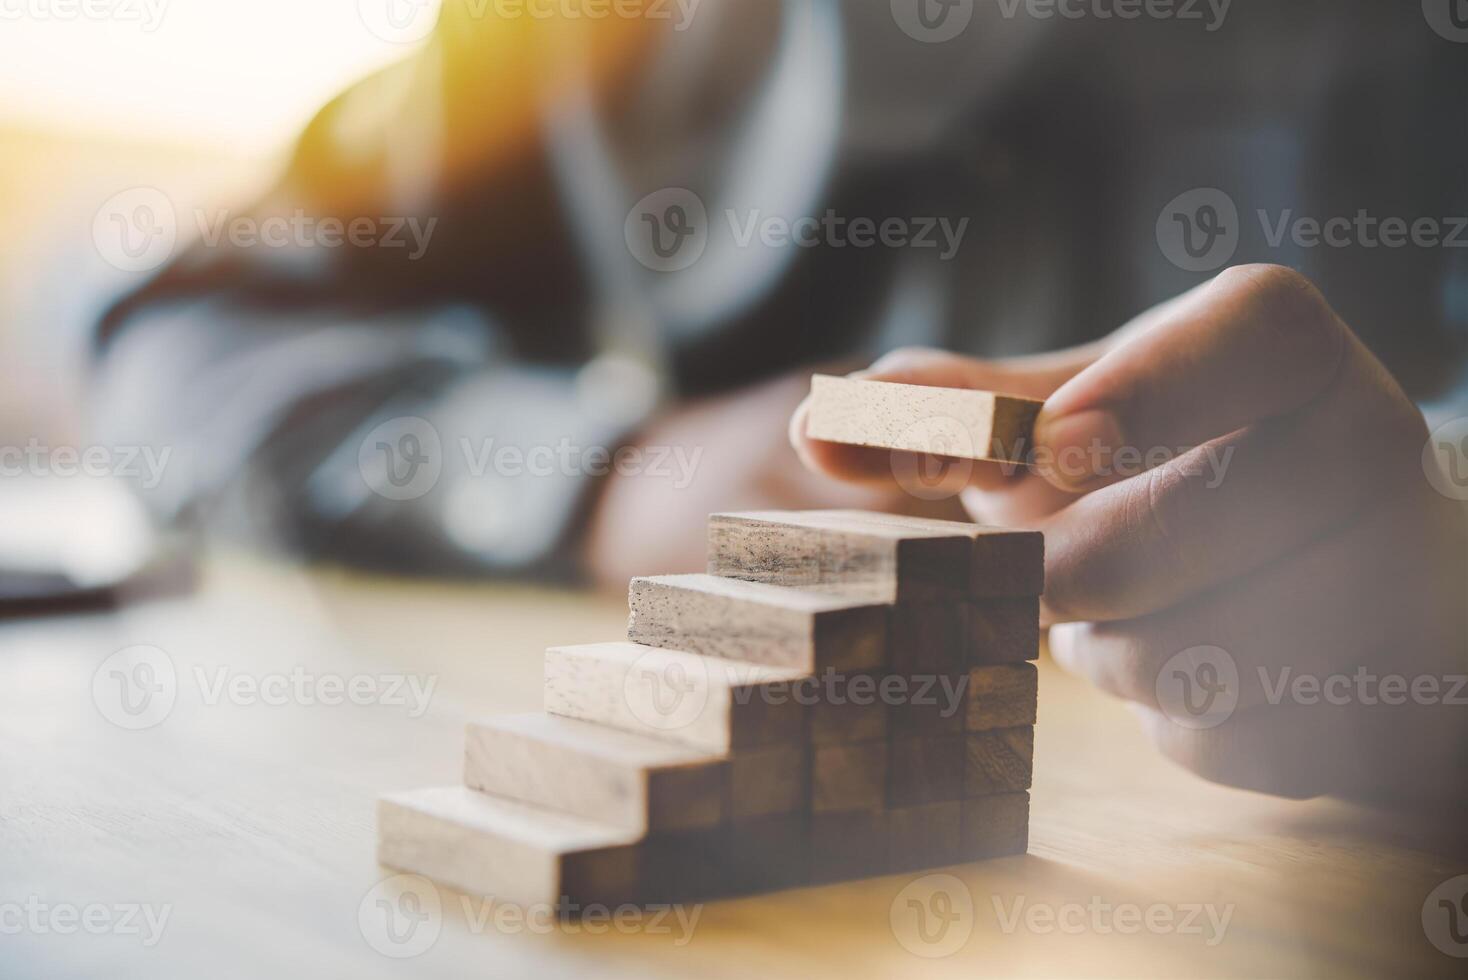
column 844, row 694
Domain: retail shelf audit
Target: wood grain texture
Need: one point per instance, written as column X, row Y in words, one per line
column 757, row 623
column 925, row 770
column 769, row 782
column 995, row 826
column 487, row 845
column 849, row 553
column 630, row 781
column 1003, row 563
column 956, row 422
column 850, row 776
column 1003, row 631
column 1000, row 761
column 705, row 702
column 926, row 836
column 931, row 704
column 1003, row 696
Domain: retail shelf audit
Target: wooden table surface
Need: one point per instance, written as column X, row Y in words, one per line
column 251, row 824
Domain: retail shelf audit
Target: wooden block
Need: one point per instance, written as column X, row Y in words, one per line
column 841, row 552
column 630, row 781
column 851, row 776
column 1003, row 562
column 957, row 422
column 995, row 826
column 849, row 844
column 769, row 782
column 929, row 705
column 757, row 623
column 1003, row 631
column 685, row 866
column 839, row 710
column 927, row 638
column 492, row 846
column 925, row 770
column 706, row 702
column 1001, row 761
column 1004, row 696
column 769, row 853
column 926, row 836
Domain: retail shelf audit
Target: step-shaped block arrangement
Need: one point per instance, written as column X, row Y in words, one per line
column 844, row 694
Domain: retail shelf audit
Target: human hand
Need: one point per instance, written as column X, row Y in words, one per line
column 1240, row 536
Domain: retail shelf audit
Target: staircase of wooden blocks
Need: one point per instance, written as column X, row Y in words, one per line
column 843, row 695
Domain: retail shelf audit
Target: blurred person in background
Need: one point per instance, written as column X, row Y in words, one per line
column 598, row 275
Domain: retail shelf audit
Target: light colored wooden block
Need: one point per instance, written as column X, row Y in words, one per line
column 887, row 557
column 995, row 826
column 850, row 776
column 848, row 844
column 926, row 836
column 631, row 781
column 1003, row 631
column 757, row 623
column 1003, row 562
column 1001, row 761
column 1003, row 696
column 487, row 845
column 957, row 422
column 842, row 552
column 707, row 702
column 769, row 782
column 925, row 770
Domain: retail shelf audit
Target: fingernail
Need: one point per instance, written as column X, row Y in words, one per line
column 1074, row 449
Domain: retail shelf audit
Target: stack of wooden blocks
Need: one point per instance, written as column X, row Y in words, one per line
column 845, row 694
